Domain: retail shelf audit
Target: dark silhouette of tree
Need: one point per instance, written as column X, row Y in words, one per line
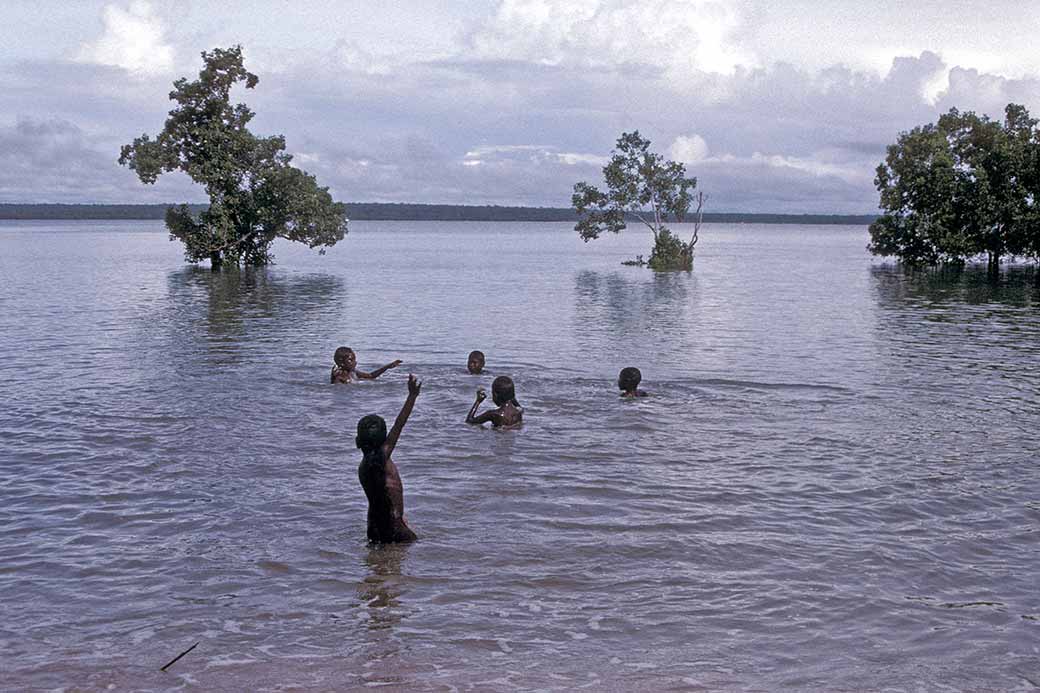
column 961, row 188
column 643, row 185
column 255, row 194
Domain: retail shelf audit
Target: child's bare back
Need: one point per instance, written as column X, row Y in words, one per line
column 379, row 476
column 503, row 394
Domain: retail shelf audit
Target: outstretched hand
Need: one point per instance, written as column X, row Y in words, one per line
column 481, row 395
column 414, row 385
column 394, row 364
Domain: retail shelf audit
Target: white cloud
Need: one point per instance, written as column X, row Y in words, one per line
column 133, row 40
column 936, row 85
column 572, row 159
column 531, row 152
column 688, row 149
column 814, row 167
column 483, row 151
column 678, row 36
column 353, row 57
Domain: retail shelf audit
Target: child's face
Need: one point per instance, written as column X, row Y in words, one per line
column 475, row 364
column 347, row 361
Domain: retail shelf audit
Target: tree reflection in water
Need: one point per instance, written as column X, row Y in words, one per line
column 236, row 311
column 617, row 303
column 896, row 286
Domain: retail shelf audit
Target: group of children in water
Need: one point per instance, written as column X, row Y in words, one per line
column 378, row 473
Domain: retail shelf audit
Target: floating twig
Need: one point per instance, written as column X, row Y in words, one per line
column 174, row 660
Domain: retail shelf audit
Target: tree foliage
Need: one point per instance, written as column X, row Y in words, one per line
column 961, row 188
column 642, row 184
column 255, row 193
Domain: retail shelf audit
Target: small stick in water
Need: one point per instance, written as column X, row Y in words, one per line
column 175, row 659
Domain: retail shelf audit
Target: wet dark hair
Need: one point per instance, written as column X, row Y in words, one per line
column 503, row 391
column 479, row 356
column 371, row 432
column 341, row 354
column 628, row 378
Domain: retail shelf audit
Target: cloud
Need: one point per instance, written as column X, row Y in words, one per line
column 534, row 153
column 678, row 36
column 782, row 138
column 688, row 149
column 133, row 40
column 531, row 100
column 54, row 160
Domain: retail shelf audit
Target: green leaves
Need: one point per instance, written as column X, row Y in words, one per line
column 645, row 185
column 255, row 194
column 963, row 187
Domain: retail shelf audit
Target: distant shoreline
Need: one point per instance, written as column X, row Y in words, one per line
column 378, row 211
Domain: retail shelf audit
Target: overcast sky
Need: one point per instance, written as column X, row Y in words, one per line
column 783, row 107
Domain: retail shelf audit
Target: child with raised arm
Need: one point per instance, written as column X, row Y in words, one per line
column 379, row 476
column 345, row 370
column 628, row 382
column 503, row 394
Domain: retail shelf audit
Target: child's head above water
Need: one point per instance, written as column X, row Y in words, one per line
column 628, row 379
column 371, row 432
column 345, row 358
column 503, row 391
column 475, row 362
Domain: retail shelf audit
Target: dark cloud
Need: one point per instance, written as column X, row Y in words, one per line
column 54, row 160
column 779, row 138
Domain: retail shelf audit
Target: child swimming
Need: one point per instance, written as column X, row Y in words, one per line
column 379, row 476
column 503, row 394
column 475, row 362
column 345, row 370
column 628, row 382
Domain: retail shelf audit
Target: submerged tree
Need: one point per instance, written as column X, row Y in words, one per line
column 961, row 188
column 643, row 184
column 255, row 194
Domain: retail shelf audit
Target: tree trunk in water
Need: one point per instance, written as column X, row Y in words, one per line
column 993, row 269
column 215, row 260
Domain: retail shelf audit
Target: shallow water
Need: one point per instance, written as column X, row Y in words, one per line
column 834, row 485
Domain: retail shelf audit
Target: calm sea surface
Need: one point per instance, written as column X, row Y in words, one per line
column 835, row 484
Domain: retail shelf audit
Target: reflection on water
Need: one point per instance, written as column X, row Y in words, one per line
column 382, row 587
column 832, row 456
column 1015, row 286
column 621, row 303
column 379, row 593
column 234, row 297
column 236, row 312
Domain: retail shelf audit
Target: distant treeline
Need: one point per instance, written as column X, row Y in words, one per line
column 378, row 211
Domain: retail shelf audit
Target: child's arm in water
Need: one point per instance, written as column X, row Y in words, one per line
column 489, row 415
column 377, row 372
column 402, row 418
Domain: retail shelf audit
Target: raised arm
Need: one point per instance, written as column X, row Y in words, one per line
column 379, row 371
column 489, row 415
column 402, row 418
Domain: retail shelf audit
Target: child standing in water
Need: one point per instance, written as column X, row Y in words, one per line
column 345, row 370
column 475, row 362
column 379, row 476
column 628, row 382
column 503, row 394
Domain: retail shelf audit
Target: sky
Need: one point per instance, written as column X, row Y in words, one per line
column 774, row 107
